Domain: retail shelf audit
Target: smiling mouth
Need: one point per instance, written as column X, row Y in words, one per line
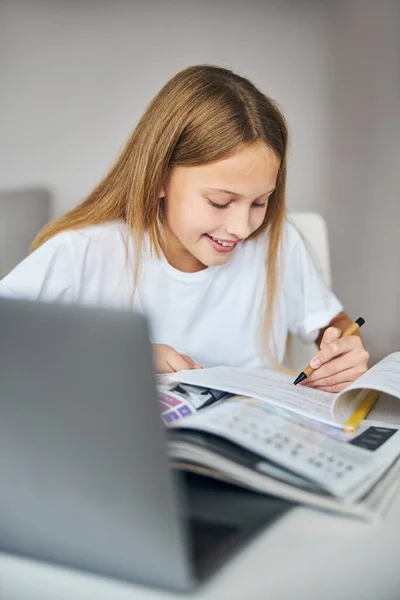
column 224, row 243
column 221, row 246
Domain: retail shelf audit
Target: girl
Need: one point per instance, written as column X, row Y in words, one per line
column 189, row 228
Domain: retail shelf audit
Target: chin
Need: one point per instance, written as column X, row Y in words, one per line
column 216, row 261
column 209, row 258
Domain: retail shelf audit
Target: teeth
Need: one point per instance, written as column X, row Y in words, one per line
column 221, row 242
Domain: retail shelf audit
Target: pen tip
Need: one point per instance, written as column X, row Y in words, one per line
column 360, row 321
column 301, row 377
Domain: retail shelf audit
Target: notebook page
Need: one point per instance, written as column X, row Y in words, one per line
column 385, row 377
column 265, row 385
column 386, row 410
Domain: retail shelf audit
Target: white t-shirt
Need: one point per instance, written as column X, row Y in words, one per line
column 214, row 315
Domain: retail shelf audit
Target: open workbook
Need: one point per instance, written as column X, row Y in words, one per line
column 253, row 427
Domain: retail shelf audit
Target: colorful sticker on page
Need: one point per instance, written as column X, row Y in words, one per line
column 174, row 407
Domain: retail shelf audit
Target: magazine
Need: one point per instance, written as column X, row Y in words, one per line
column 252, row 427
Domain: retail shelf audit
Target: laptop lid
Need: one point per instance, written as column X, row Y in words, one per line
column 84, row 475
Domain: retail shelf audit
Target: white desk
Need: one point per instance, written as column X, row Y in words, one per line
column 306, row 555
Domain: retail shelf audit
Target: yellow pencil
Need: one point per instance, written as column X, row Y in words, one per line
column 361, row 411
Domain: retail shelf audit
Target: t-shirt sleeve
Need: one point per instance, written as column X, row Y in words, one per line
column 310, row 305
column 47, row 274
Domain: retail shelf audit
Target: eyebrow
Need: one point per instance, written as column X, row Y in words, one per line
column 230, row 193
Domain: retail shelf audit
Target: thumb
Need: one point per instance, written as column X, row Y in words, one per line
column 330, row 335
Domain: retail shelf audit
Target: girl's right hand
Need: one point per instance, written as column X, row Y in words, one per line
column 168, row 360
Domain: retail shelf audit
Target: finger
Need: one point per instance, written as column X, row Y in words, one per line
column 342, row 363
column 176, row 361
column 194, row 365
column 338, row 347
column 188, row 359
column 349, row 375
column 330, row 335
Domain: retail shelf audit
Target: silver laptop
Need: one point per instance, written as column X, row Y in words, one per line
column 84, row 474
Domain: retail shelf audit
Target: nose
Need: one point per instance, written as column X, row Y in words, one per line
column 239, row 224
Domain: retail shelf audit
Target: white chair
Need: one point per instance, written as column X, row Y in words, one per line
column 312, row 228
column 23, row 212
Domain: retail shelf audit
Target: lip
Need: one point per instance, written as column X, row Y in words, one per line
column 218, row 247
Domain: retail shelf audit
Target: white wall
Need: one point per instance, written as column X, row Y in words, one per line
column 78, row 75
column 362, row 191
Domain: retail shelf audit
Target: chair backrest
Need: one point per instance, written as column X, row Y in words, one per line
column 23, row 212
column 313, row 229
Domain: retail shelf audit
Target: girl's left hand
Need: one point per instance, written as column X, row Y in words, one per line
column 339, row 362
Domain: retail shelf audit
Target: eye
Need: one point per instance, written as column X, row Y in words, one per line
column 215, row 205
column 259, row 205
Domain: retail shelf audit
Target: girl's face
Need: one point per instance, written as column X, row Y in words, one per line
column 211, row 209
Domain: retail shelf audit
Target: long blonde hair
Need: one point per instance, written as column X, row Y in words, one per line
column 203, row 114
